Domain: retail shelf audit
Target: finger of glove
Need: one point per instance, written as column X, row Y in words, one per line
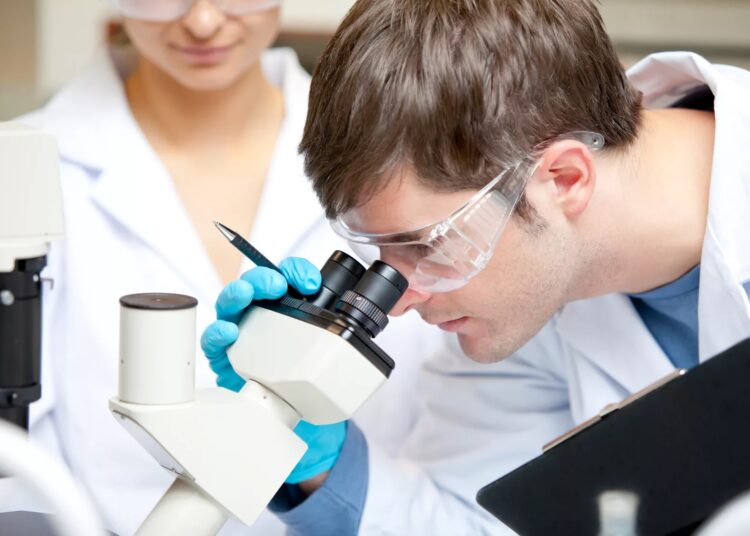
column 267, row 284
column 301, row 274
column 302, row 473
column 321, row 436
column 324, row 447
column 227, row 377
column 216, row 338
column 233, row 299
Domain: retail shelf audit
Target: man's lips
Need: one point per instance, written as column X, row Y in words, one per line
column 452, row 326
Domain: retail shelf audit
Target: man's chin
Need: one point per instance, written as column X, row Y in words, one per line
column 480, row 348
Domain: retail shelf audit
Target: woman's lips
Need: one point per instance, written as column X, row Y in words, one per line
column 204, row 55
column 453, row 326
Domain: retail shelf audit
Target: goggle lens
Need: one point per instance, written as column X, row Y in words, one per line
column 443, row 256
column 168, row 10
column 427, row 268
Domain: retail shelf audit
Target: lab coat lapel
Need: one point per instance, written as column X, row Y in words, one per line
column 608, row 332
column 278, row 232
column 724, row 308
column 129, row 181
column 137, row 192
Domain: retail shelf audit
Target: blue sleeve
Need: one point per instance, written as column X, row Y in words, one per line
column 336, row 507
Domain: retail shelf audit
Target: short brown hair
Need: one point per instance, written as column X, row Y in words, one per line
column 456, row 90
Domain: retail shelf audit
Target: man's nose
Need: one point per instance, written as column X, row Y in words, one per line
column 409, row 300
column 203, row 20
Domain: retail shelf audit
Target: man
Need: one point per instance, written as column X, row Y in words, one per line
column 495, row 152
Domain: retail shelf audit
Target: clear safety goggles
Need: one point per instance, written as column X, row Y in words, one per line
column 168, row 10
column 444, row 256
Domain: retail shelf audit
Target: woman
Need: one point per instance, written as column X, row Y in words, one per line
column 196, row 121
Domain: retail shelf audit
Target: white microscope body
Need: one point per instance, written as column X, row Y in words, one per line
column 231, row 452
column 31, row 217
column 31, row 214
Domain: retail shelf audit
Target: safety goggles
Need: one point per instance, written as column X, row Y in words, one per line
column 444, row 256
column 168, row 10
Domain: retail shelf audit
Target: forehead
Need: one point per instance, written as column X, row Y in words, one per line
column 402, row 204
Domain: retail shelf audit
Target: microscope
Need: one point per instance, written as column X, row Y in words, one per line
column 311, row 358
column 30, row 218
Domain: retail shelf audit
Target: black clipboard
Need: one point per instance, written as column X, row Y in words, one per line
column 683, row 447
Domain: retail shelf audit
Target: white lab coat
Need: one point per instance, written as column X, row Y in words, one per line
column 480, row 421
column 126, row 232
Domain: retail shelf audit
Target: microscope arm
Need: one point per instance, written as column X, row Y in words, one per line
column 230, row 453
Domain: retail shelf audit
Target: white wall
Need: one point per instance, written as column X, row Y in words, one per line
column 69, row 33
column 42, row 44
column 313, row 15
column 45, row 42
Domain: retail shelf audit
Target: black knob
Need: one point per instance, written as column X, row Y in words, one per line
column 370, row 301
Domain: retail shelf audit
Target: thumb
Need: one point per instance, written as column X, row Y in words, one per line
column 302, row 274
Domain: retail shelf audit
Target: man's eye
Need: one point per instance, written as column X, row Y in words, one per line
column 419, row 250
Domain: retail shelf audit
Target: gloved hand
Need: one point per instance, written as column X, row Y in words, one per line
column 324, row 442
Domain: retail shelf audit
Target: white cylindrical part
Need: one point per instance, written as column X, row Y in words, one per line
column 272, row 402
column 157, row 348
column 184, row 509
column 732, row 519
column 618, row 513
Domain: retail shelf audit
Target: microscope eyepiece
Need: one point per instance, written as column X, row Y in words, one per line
column 340, row 273
column 370, row 301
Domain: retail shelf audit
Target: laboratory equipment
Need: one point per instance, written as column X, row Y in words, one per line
column 732, row 519
column 307, row 359
column 618, row 513
column 30, row 218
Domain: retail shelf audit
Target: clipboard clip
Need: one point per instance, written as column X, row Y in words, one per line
column 611, row 408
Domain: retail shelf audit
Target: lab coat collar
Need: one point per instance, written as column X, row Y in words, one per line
column 90, row 117
column 95, row 131
column 724, row 310
column 108, row 142
column 131, row 184
column 608, row 330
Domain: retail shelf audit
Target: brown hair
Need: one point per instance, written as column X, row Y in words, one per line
column 455, row 90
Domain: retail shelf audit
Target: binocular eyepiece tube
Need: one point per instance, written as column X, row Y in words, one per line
column 363, row 297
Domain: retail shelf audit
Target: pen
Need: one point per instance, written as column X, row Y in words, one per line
column 249, row 251
column 245, row 247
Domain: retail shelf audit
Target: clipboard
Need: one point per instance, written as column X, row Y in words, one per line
column 683, row 445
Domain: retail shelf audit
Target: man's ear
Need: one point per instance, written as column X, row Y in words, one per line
column 569, row 167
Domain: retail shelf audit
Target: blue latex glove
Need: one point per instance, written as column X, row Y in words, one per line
column 324, row 442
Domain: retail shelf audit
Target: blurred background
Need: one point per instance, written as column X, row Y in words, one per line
column 43, row 43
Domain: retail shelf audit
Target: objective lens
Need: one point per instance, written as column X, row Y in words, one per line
column 370, row 301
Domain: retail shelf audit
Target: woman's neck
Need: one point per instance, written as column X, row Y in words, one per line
column 177, row 117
